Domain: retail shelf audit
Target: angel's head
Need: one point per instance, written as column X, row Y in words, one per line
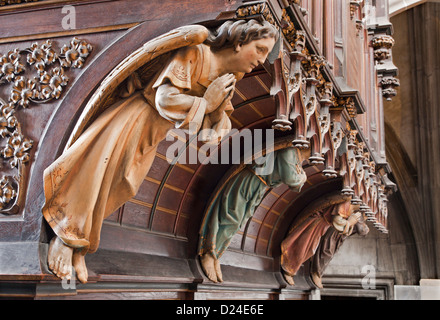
column 249, row 41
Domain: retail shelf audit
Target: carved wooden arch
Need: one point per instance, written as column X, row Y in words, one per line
column 265, row 230
column 279, row 144
column 280, row 213
column 318, row 192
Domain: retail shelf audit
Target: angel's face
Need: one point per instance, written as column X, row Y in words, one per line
column 250, row 55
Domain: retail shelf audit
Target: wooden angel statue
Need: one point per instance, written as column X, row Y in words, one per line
column 328, row 246
column 303, row 239
column 182, row 79
column 236, row 200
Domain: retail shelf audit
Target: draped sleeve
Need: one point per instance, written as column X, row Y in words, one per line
column 180, row 69
column 187, row 106
column 290, row 168
column 286, row 168
column 188, row 71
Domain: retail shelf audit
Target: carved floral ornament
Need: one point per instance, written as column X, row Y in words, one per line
column 47, row 83
column 382, row 45
column 318, row 121
column 388, row 85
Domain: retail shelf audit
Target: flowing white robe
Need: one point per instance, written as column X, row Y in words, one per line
column 105, row 167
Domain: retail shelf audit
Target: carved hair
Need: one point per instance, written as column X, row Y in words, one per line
column 232, row 33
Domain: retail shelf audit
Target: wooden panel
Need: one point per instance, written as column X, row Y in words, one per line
column 136, row 214
column 170, row 198
column 261, row 211
column 147, row 191
column 180, row 176
column 246, row 116
column 263, row 239
column 252, row 86
column 193, row 203
column 158, row 169
column 163, row 220
column 129, row 239
column 181, row 225
column 99, row 14
column 355, row 53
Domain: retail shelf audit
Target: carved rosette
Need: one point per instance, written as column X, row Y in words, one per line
column 45, row 83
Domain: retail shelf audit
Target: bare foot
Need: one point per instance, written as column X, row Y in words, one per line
column 218, row 270
column 59, row 259
column 289, row 279
column 208, row 266
column 80, row 266
column 317, row 280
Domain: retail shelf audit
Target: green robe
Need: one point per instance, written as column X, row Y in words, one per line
column 241, row 195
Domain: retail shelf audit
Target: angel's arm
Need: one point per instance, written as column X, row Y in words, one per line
column 169, row 97
column 221, row 89
column 345, row 226
column 174, row 104
column 182, row 109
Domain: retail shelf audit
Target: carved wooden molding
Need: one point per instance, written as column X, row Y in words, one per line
column 45, row 84
column 8, row 2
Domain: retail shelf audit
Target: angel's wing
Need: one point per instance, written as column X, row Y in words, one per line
column 145, row 59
